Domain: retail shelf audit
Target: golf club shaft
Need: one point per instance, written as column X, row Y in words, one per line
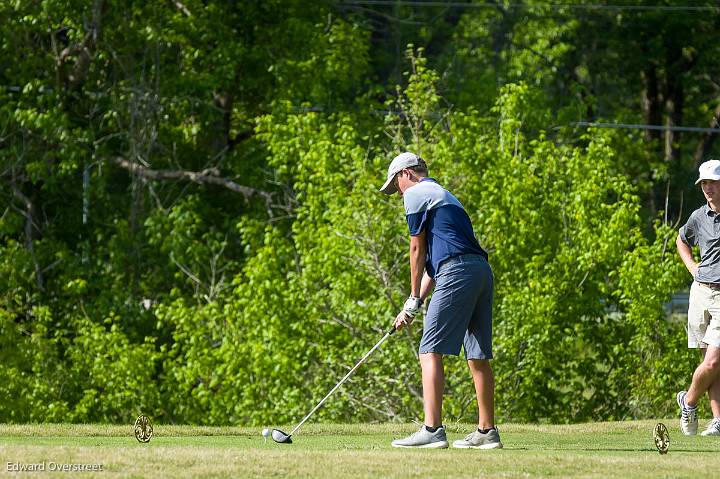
column 362, row 360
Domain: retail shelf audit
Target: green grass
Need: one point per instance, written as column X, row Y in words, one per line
column 618, row 449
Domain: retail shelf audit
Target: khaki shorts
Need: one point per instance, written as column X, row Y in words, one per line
column 703, row 316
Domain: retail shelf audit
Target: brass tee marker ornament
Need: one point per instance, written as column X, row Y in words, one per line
column 662, row 438
column 143, row 429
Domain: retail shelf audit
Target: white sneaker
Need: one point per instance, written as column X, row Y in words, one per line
column 713, row 429
column 688, row 416
column 425, row 439
column 478, row 440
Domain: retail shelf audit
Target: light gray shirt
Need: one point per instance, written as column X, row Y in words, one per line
column 703, row 230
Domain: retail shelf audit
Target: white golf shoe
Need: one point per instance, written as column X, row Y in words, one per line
column 479, row 440
column 688, row 416
column 713, row 429
column 425, row 439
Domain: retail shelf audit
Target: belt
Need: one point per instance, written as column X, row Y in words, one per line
column 715, row 286
column 462, row 258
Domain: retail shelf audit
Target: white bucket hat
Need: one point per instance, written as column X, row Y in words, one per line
column 710, row 170
column 399, row 163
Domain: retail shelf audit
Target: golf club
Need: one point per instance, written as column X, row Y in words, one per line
column 284, row 438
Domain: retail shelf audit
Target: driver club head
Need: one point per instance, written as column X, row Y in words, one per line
column 281, row 437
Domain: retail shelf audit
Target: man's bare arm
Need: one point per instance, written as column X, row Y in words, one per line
column 418, row 251
column 686, row 256
column 426, row 286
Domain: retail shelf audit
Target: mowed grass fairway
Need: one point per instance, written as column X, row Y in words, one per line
column 617, row 449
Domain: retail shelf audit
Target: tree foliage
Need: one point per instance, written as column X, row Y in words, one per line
column 191, row 226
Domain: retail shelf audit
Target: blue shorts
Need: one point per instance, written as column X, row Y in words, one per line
column 460, row 310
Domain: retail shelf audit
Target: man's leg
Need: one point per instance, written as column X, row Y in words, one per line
column 697, row 324
column 713, row 392
column 713, row 429
column 714, row 396
column 478, row 350
column 433, row 380
column 486, row 436
column 704, row 376
column 484, row 381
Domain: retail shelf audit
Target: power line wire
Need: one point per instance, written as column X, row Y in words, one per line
column 636, row 126
column 593, row 124
column 520, row 6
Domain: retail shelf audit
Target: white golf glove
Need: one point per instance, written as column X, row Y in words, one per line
column 412, row 306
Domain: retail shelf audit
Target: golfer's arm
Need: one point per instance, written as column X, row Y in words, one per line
column 426, row 286
column 418, row 250
column 686, row 256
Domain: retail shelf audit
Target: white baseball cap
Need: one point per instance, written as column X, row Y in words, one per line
column 710, row 170
column 399, row 163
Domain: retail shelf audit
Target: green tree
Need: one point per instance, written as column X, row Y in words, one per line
column 191, row 226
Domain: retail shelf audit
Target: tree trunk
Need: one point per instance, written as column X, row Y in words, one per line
column 29, row 214
column 72, row 74
column 651, row 101
column 708, row 139
column 674, row 102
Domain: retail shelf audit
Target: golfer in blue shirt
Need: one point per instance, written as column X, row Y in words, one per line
column 445, row 256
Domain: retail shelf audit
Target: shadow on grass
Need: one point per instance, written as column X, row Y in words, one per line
column 604, row 449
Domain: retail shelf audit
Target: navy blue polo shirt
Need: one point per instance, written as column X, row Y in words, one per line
column 449, row 232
